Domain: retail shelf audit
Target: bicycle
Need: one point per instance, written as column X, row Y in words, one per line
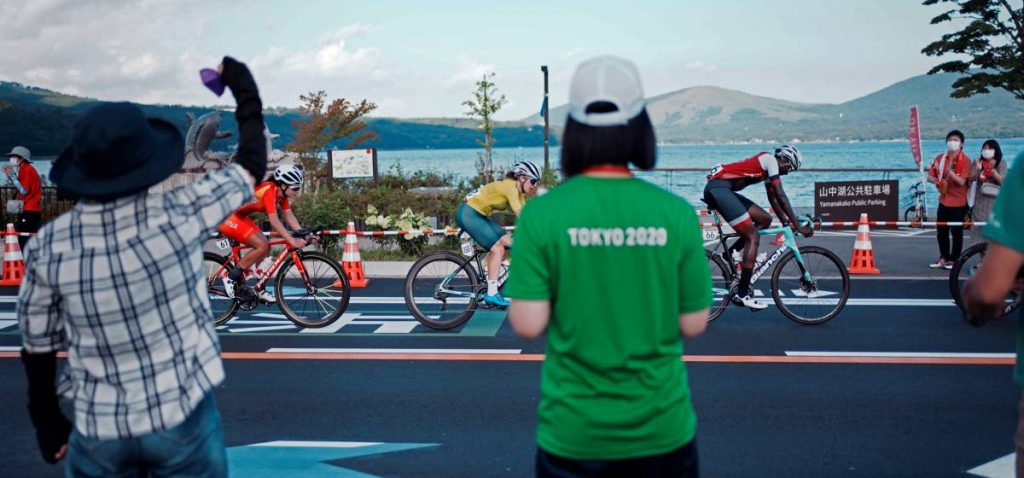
column 964, row 269
column 443, row 290
column 918, row 210
column 814, row 275
column 310, row 287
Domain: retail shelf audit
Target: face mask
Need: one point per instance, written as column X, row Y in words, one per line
column 988, row 153
column 14, row 161
column 953, row 146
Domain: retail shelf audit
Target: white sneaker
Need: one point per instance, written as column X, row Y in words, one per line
column 229, row 286
column 266, row 296
column 749, row 301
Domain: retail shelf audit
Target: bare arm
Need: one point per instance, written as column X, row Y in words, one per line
column 290, row 219
column 529, row 318
column 692, row 324
column 985, row 293
column 278, row 227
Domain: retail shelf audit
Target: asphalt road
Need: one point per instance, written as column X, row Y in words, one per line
column 774, row 398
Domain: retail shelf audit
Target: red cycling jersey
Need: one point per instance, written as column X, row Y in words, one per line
column 754, row 169
column 265, row 199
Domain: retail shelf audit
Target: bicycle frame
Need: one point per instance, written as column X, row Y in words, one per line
column 236, row 250
column 789, row 244
column 479, row 269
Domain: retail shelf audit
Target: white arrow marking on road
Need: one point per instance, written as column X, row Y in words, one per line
column 391, row 351
column 998, row 468
column 817, row 294
column 342, row 321
column 319, row 444
column 902, row 354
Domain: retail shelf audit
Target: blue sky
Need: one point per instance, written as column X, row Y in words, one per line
column 420, row 58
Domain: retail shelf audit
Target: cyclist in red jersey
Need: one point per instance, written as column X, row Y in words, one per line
column 271, row 197
column 746, row 217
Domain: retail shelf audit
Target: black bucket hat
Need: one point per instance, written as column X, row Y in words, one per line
column 116, row 151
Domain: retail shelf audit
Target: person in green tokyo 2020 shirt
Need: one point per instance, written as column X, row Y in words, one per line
column 1001, row 271
column 613, row 268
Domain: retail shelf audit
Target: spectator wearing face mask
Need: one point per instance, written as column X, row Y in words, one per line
column 949, row 172
column 985, row 179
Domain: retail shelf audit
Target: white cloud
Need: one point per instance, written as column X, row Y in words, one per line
column 467, row 71
column 701, row 67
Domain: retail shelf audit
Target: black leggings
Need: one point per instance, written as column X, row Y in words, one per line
column 28, row 221
column 951, row 214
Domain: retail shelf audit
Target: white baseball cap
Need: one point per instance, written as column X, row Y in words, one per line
column 606, row 79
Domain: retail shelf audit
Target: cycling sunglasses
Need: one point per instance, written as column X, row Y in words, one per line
column 533, row 182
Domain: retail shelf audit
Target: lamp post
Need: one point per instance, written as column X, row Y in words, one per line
column 547, row 124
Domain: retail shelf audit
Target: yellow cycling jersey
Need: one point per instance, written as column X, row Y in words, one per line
column 497, row 196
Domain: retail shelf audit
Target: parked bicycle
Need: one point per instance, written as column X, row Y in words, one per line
column 918, row 210
column 965, row 267
column 443, row 289
column 310, row 287
column 810, row 285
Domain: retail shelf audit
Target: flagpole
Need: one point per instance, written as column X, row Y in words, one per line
column 547, row 124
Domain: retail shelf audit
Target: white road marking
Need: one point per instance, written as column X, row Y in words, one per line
column 7, row 323
column 264, row 329
column 391, row 351
column 342, row 321
column 319, row 444
column 900, row 354
column 999, row 468
column 10, row 349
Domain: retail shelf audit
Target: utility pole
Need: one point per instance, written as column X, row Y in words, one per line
column 547, row 123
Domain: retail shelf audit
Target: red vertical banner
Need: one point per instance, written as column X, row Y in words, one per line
column 915, row 136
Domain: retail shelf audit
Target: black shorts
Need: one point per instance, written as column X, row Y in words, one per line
column 732, row 206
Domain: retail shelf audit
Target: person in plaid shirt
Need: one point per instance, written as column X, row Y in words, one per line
column 118, row 283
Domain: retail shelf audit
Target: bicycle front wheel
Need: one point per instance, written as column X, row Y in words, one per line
column 815, row 299
column 964, row 269
column 312, row 294
column 215, row 267
column 441, row 290
column 721, row 283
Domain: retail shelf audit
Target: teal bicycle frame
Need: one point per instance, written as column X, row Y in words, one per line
column 789, row 244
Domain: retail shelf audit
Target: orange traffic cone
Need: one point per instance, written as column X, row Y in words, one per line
column 351, row 263
column 14, row 263
column 780, row 239
column 863, row 260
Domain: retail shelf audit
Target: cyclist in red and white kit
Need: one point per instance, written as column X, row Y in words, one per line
column 271, row 198
column 746, row 217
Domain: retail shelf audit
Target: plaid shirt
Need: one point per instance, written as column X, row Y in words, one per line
column 121, row 286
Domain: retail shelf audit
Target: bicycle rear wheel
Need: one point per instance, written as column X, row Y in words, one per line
column 721, row 283
column 964, row 269
column 215, row 267
column 317, row 294
column 442, row 290
column 816, row 301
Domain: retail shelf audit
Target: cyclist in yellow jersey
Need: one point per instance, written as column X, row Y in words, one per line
column 474, row 214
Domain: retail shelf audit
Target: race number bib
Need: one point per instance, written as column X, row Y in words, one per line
column 710, row 234
column 224, row 244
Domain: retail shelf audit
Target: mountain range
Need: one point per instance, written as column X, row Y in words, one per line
column 42, row 119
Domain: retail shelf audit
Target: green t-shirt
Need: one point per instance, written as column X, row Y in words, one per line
column 1007, row 228
column 619, row 260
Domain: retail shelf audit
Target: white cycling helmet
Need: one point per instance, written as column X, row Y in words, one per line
column 787, row 154
column 288, row 174
column 526, row 168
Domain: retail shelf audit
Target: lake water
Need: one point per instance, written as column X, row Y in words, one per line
column 690, row 185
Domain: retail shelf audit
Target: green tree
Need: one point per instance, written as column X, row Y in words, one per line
column 324, row 123
column 992, row 41
column 486, row 101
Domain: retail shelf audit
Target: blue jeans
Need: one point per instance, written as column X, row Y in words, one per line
column 194, row 448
